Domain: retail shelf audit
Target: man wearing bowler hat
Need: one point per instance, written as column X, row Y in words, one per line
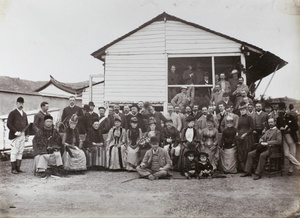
column 18, row 132
column 156, row 163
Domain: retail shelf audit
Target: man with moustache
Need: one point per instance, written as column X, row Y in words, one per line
column 70, row 110
column 38, row 122
column 17, row 124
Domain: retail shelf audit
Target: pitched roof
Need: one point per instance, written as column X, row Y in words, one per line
column 260, row 55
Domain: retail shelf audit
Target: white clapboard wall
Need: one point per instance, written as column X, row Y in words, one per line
column 136, row 66
column 97, row 97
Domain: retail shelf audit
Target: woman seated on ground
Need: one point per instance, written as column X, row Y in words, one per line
column 134, row 134
column 116, row 141
column 209, row 141
column 94, row 147
column 74, row 158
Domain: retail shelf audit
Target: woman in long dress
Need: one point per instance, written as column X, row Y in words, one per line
column 245, row 140
column 209, row 141
column 94, row 147
column 133, row 135
column 116, row 141
column 74, row 158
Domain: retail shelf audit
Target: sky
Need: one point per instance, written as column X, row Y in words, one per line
column 40, row 38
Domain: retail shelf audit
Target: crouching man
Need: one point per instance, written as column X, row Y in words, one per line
column 270, row 140
column 156, row 163
column 47, row 147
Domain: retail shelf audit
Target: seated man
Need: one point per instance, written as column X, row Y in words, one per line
column 156, row 163
column 270, row 140
column 47, row 148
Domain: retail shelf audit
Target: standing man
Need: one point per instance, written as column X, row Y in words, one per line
column 196, row 113
column 173, row 79
column 238, row 92
column 189, row 78
column 70, row 110
column 158, row 116
column 18, row 132
column 225, row 101
column 224, row 85
column 91, row 115
column 171, row 115
column 101, row 113
column 181, row 99
column 38, row 122
column 260, row 120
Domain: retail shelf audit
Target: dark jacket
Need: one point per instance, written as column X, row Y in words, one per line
column 16, row 122
column 290, row 121
column 164, row 159
column 93, row 135
column 38, row 122
column 191, row 165
column 172, row 133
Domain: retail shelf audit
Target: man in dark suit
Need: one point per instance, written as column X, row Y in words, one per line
column 260, row 119
column 270, row 140
column 70, row 110
column 38, row 122
column 18, row 132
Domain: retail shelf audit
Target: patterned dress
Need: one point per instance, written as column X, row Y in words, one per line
column 132, row 148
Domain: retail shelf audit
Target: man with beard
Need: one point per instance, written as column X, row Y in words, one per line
column 171, row 115
column 201, row 122
column 135, row 113
column 196, row 113
column 225, row 101
column 270, row 140
column 38, row 122
column 260, row 119
column 126, row 110
column 48, row 148
column 18, row 132
column 70, row 110
column 288, row 127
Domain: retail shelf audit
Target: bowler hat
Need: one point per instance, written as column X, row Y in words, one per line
column 101, row 107
column 86, row 107
column 154, row 140
column 234, row 71
column 188, row 152
column 281, row 105
column 225, row 94
column 243, row 105
column 91, row 103
column 47, row 117
column 20, row 100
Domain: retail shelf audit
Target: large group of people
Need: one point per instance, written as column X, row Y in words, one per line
column 198, row 142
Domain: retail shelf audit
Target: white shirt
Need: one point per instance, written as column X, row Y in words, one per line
column 189, row 134
column 20, row 111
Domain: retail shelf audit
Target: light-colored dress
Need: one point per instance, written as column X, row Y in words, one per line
column 77, row 160
column 209, row 145
column 132, row 148
column 116, row 141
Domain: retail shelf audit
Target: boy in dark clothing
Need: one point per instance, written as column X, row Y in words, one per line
column 191, row 167
column 205, row 166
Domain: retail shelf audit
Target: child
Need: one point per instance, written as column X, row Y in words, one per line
column 191, row 167
column 205, row 167
column 171, row 139
column 134, row 134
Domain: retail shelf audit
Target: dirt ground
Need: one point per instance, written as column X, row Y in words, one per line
column 101, row 194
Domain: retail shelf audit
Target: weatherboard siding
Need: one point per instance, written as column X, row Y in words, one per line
column 183, row 38
column 98, row 95
column 135, row 78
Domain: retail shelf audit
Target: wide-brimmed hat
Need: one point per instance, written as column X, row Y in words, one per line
column 234, row 71
column 183, row 87
column 47, row 117
column 73, row 119
column 188, row 152
column 134, row 120
column 203, row 153
column 191, row 148
column 243, row 105
column 209, row 118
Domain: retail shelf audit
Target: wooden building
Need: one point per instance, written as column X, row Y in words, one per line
column 136, row 65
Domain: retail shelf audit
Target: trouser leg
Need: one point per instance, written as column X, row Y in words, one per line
column 250, row 157
column 43, row 162
column 289, row 148
column 161, row 174
column 144, row 172
column 261, row 162
column 58, row 158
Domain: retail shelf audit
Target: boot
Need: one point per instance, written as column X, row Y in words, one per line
column 13, row 167
column 18, row 166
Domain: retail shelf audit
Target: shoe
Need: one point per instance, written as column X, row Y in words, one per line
column 151, row 177
column 44, row 176
column 56, row 176
column 14, row 171
column 256, row 177
column 246, row 174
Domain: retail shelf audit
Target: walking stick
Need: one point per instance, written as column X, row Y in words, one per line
column 140, row 177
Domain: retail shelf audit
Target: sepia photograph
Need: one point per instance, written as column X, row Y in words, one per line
column 149, row 108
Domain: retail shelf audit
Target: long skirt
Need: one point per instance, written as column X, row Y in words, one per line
column 96, row 156
column 77, row 162
column 244, row 146
column 132, row 158
column 228, row 160
column 115, row 157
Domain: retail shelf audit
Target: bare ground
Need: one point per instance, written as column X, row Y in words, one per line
column 101, row 194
